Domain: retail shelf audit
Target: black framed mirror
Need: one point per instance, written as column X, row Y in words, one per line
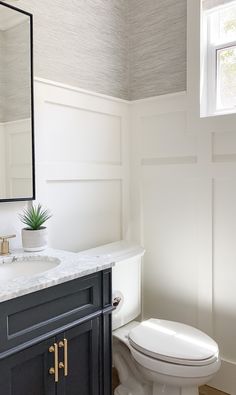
column 17, row 162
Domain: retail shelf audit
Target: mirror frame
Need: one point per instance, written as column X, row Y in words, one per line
column 31, row 102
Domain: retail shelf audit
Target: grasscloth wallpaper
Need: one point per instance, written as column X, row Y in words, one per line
column 17, row 93
column 81, row 42
column 157, row 31
column 124, row 48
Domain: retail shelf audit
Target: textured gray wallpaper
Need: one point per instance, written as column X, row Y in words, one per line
column 81, row 43
column 157, row 30
column 15, row 93
column 17, row 72
column 125, row 48
column 2, row 85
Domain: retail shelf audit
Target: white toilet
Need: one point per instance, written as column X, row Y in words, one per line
column 163, row 357
column 153, row 357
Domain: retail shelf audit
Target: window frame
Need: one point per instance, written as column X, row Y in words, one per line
column 211, row 66
column 197, row 120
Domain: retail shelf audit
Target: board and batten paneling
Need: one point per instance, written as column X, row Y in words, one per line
column 183, row 211
column 82, row 167
column 82, row 154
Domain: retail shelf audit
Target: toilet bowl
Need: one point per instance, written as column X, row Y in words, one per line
column 153, row 357
column 163, row 357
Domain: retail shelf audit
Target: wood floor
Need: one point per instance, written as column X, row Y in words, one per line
column 205, row 390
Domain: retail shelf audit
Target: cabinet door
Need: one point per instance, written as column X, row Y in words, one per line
column 83, row 360
column 27, row 372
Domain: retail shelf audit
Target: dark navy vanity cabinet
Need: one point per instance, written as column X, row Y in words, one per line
column 57, row 341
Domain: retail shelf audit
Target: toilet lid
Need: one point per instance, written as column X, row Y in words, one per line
column 173, row 342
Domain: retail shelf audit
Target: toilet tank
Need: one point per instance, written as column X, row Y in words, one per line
column 126, row 279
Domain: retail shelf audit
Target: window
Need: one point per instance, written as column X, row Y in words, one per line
column 219, row 57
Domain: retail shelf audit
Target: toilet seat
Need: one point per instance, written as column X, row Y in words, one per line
column 173, row 342
column 175, row 370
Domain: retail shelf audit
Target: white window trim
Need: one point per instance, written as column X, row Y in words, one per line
column 217, row 48
column 195, row 86
column 211, row 63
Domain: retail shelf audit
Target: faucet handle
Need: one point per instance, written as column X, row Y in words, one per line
column 4, row 250
column 7, row 237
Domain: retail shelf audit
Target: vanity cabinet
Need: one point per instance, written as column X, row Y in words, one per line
column 25, row 372
column 58, row 341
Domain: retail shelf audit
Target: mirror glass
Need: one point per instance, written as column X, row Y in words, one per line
column 16, row 105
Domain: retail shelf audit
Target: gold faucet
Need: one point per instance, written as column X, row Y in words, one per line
column 4, row 246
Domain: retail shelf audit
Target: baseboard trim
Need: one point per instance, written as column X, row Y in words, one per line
column 225, row 379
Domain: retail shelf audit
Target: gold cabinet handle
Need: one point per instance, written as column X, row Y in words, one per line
column 54, row 370
column 64, row 365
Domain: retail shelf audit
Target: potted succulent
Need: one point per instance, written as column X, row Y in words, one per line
column 34, row 236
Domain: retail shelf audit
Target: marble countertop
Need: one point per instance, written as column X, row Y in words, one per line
column 71, row 266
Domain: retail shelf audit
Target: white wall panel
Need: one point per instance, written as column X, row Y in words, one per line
column 183, row 212
column 16, row 141
column 169, row 236
column 82, row 135
column 86, row 213
column 82, row 165
column 224, row 265
column 18, row 161
column 164, row 135
column 224, row 146
column 21, row 186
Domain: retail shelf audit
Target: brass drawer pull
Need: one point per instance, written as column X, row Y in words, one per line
column 64, row 365
column 54, row 370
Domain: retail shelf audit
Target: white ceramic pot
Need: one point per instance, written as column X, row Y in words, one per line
column 34, row 240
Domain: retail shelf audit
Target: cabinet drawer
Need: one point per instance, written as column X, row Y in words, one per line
column 43, row 312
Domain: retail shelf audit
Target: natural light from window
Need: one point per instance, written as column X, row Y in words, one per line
column 219, row 48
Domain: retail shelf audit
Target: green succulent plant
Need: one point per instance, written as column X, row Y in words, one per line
column 35, row 216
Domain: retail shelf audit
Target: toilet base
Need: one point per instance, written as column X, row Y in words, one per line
column 158, row 389
column 121, row 390
column 163, row 389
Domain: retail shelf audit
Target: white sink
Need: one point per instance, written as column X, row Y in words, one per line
column 31, row 266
